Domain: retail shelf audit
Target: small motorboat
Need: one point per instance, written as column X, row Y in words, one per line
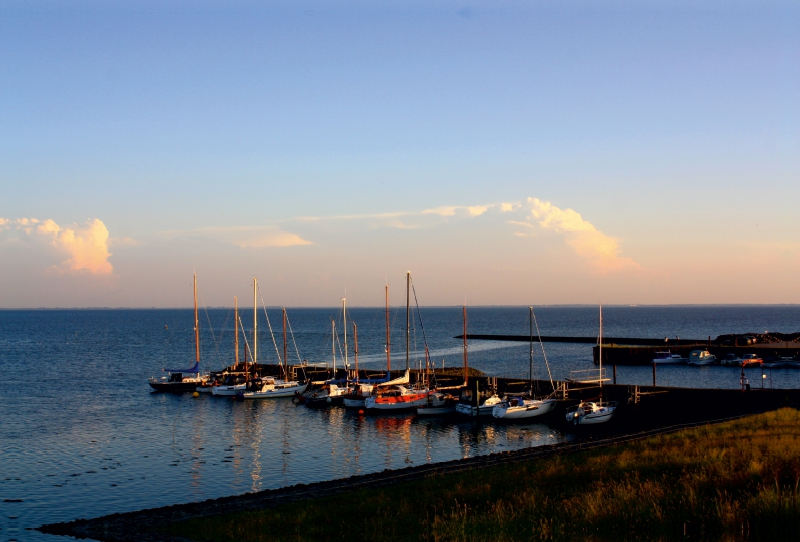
column 667, row 357
column 438, row 404
column 518, row 408
column 271, row 388
column 591, row 412
column 731, row 360
column 752, row 360
column 466, row 408
column 701, row 357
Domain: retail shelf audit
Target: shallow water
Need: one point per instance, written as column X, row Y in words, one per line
column 82, row 435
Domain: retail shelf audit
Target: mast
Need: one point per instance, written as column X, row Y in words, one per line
column 601, row 351
column 196, row 325
column 530, row 350
column 388, row 341
column 333, row 344
column 355, row 345
column 408, row 315
column 236, row 330
column 344, row 314
column 466, row 366
column 284, row 365
column 254, row 356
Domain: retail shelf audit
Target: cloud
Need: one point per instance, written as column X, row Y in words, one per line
column 248, row 236
column 83, row 247
column 586, row 240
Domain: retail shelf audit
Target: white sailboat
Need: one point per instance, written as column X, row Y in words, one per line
column 270, row 387
column 594, row 412
column 521, row 407
column 237, row 384
column 468, row 404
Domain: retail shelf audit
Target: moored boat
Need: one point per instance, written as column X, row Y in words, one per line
column 667, row 358
column 701, row 357
column 183, row 380
column 752, row 360
column 272, row 388
column 594, row 412
column 731, row 360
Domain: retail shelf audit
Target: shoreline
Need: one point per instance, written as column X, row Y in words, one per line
column 144, row 525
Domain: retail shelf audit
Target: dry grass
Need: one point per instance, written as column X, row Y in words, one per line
column 733, row 481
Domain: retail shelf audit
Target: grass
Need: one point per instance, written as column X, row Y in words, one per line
column 733, row 481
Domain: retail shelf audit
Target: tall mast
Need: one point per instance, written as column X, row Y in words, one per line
column 388, row 340
column 466, row 367
column 333, row 344
column 236, row 328
column 408, row 315
column 601, row 349
column 254, row 357
column 284, row 365
column 196, row 325
column 530, row 350
column 344, row 314
column 355, row 345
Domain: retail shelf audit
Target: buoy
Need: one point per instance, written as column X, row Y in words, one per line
column 360, row 411
column 196, row 394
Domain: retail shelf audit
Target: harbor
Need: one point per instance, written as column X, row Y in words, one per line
column 91, row 438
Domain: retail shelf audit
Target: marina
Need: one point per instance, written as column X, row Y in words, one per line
column 113, row 445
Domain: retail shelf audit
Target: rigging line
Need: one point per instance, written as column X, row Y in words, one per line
column 422, row 327
column 269, row 325
column 246, row 344
column 291, row 332
column 544, row 354
column 214, row 339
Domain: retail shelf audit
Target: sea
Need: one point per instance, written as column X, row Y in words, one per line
column 82, row 434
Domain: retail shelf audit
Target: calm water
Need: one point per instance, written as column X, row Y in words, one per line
column 81, row 435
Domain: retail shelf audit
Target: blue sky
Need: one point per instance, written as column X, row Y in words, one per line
column 189, row 129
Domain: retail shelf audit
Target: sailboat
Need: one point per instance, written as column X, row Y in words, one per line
column 331, row 393
column 469, row 405
column 360, row 389
column 233, row 384
column 269, row 387
column 594, row 412
column 176, row 381
column 517, row 408
column 392, row 397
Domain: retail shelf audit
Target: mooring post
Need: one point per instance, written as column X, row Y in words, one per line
column 654, row 373
column 615, row 373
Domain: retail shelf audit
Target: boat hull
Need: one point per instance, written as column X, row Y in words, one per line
column 174, row 387
column 393, row 404
column 532, row 409
column 274, row 392
column 228, row 391
column 589, row 416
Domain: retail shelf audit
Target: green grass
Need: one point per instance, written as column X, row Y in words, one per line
column 733, row 481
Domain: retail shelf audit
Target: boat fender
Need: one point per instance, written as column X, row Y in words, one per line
column 196, row 394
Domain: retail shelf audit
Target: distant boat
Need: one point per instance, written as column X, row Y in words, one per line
column 271, row 388
column 177, row 381
column 732, row 360
column 666, row 358
column 701, row 357
column 752, row 360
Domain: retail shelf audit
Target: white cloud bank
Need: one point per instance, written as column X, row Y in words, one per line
column 83, row 248
column 531, row 218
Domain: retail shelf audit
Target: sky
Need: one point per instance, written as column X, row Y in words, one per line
column 504, row 152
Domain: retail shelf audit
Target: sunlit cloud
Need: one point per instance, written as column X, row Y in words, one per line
column 83, row 247
column 586, row 240
column 247, row 236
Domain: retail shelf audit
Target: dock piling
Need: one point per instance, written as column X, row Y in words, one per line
column 654, row 373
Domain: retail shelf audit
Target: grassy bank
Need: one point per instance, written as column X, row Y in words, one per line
column 734, row 481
